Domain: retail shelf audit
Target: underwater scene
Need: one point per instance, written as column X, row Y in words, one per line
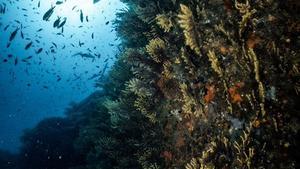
column 149, row 84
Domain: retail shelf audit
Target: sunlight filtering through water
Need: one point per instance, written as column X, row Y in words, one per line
column 71, row 8
column 46, row 85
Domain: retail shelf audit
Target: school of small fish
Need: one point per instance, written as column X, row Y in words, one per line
column 34, row 44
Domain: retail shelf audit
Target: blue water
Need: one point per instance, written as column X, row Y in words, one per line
column 47, row 84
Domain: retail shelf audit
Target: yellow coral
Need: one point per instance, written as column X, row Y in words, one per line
column 140, row 104
column 155, row 48
column 199, row 163
column 245, row 19
column 261, row 89
column 188, row 63
column 167, row 70
column 244, row 9
column 193, row 164
column 216, row 67
column 190, row 105
column 243, row 157
column 143, row 159
column 187, row 23
column 136, row 86
column 164, row 22
column 215, row 63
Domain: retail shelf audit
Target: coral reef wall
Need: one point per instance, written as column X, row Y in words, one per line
column 215, row 83
column 198, row 84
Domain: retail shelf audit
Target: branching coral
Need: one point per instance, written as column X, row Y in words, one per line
column 189, row 66
column 165, row 22
column 136, row 86
column 190, row 106
column 295, row 72
column 114, row 111
column 142, row 105
column 244, row 153
column 167, row 70
column 139, row 62
column 144, row 157
column 261, row 89
column 106, row 142
column 193, row 164
column 188, row 24
column 156, row 48
column 153, row 166
column 143, row 96
column 216, row 67
column 200, row 163
column 244, row 9
column 215, row 63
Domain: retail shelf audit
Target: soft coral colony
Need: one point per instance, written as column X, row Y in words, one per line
column 217, row 82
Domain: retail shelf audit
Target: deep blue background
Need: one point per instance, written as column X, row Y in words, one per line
column 30, row 92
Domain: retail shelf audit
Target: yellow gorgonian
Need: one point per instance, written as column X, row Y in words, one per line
column 187, row 23
column 155, row 49
column 164, row 22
